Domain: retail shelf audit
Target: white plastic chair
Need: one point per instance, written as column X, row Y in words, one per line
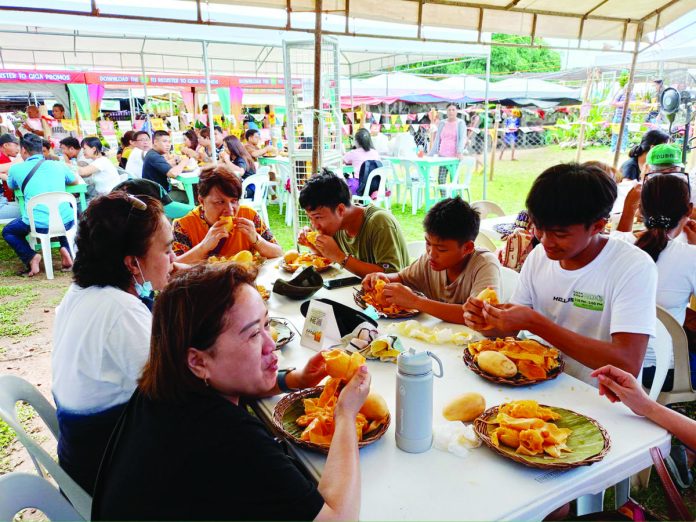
column 681, row 390
column 415, row 249
column 411, row 183
column 509, row 279
column 52, row 201
column 14, row 389
column 465, row 171
column 483, row 240
column 283, row 173
column 260, row 182
column 486, row 208
column 365, row 199
column 20, row 491
column 272, row 185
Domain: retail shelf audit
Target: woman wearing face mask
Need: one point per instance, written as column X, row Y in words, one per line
column 102, row 328
column 220, row 226
column 187, row 449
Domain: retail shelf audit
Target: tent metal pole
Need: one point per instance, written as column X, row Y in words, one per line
column 350, row 83
column 131, row 105
column 627, row 98
column 317, row 146
column 485, row 124
column 211, row 119
column 147, row 112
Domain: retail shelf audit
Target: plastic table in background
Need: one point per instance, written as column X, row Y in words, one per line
column 275, row 160
column 80, row 190
column 425, row 164
column 188, row 180
column 437, row 485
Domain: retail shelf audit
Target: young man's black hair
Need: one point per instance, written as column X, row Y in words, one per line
column 324, row 190
column 70, row 142
column 159, row 134
column 249, row 133
column 32, row 143
column 452, row 218
column 570, row 194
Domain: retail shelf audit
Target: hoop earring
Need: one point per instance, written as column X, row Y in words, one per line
column 205, row 380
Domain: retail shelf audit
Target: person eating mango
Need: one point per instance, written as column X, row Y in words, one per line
column 220, row 226
column 450, row 271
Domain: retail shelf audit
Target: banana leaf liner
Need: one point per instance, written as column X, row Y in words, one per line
column 517, row 380
column 359, row 298
column 589, row 441
column 290, row 407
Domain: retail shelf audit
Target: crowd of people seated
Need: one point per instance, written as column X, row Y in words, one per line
column 156, row 350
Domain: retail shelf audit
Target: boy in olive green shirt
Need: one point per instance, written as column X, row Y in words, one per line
column 450, row 271
column 361, row 239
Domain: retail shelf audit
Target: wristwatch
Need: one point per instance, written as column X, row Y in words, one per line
column 280, row 380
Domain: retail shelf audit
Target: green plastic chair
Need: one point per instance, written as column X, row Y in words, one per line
column 20, row 491
column 14, row 389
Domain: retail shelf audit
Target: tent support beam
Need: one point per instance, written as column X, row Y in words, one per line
column 486, row 101
column 316, row 124
column 627, row 98
column 211, row 119
column 142, row 68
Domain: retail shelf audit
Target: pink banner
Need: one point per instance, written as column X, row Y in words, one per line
column 29, row 76
column 96, row 95
column 188, row 97
column 107, row 128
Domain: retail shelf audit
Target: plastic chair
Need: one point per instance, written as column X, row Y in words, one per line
column 20, row 491
column 272, row 185
column 412, row 183
column 682, row 390
column 365, row 199
column 260, row 182
column 415, row 249
column 483, row 240
column 465, row 171
column 487, row 208
column 14, row 389
column 52, row 200
column 509, row 279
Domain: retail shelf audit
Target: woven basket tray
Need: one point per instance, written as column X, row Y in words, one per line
column 518, row 380
column 291, row 406
column 481, row 427
column 359, row 297
column 293, row 268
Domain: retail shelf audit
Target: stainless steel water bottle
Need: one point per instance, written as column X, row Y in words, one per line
column 414, row 400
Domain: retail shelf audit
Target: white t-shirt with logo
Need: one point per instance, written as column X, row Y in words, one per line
column 676, row 281
column 614, row 293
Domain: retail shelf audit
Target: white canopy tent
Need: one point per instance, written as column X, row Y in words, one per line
column 531, row 88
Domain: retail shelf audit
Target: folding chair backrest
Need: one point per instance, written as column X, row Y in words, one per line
column 263, row 169
column 382, row 172
column 260, row 182
column 682, row 390
column 411, row 170
column 486, row 208
column 20, row 491
column 465, row 171
column 52, row 201
column 663, row 350
column 14, row 389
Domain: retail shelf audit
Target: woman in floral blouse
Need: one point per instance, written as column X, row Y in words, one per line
column 220, row 226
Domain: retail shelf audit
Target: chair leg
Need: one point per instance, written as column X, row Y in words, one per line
column 621, row 492
column 590, row 503
column 46, row 251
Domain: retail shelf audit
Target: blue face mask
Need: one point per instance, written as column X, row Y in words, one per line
column 144, row 290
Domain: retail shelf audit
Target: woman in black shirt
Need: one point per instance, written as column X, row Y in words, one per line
column 632, row 168
column 186, row 449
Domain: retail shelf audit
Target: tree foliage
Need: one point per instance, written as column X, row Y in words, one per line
column 504, row 60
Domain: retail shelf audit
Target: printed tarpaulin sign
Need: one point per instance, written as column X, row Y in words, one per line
column 88, row 127
column 107, row 128
column 158, row 124
column 69, row 125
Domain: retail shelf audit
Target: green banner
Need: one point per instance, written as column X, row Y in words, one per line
column 224, row 97
column 80, row 95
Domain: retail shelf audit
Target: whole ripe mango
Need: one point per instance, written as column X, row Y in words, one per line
column 465, row 408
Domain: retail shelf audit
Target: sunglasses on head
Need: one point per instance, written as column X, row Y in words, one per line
column 678, row 173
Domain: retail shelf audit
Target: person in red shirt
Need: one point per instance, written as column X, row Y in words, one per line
column 9, row 151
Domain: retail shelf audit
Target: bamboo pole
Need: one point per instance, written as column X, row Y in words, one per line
column 629, row 91
column 583, row 114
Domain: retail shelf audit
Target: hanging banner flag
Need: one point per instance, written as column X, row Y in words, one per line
column 412, row 117
column 403, row 118
column 174, row 123
column 375, row 127
column 89, row 127
column 358, row 115
column 107, row 128
column 421, row 115
column 258, row 117
column 346, row 129
column 425, row 126
column 69, row 125
column 387, row 126
column 377, row 116
column 351, row 117
column 368, row 115
column 394, row 118
column 157, row 124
